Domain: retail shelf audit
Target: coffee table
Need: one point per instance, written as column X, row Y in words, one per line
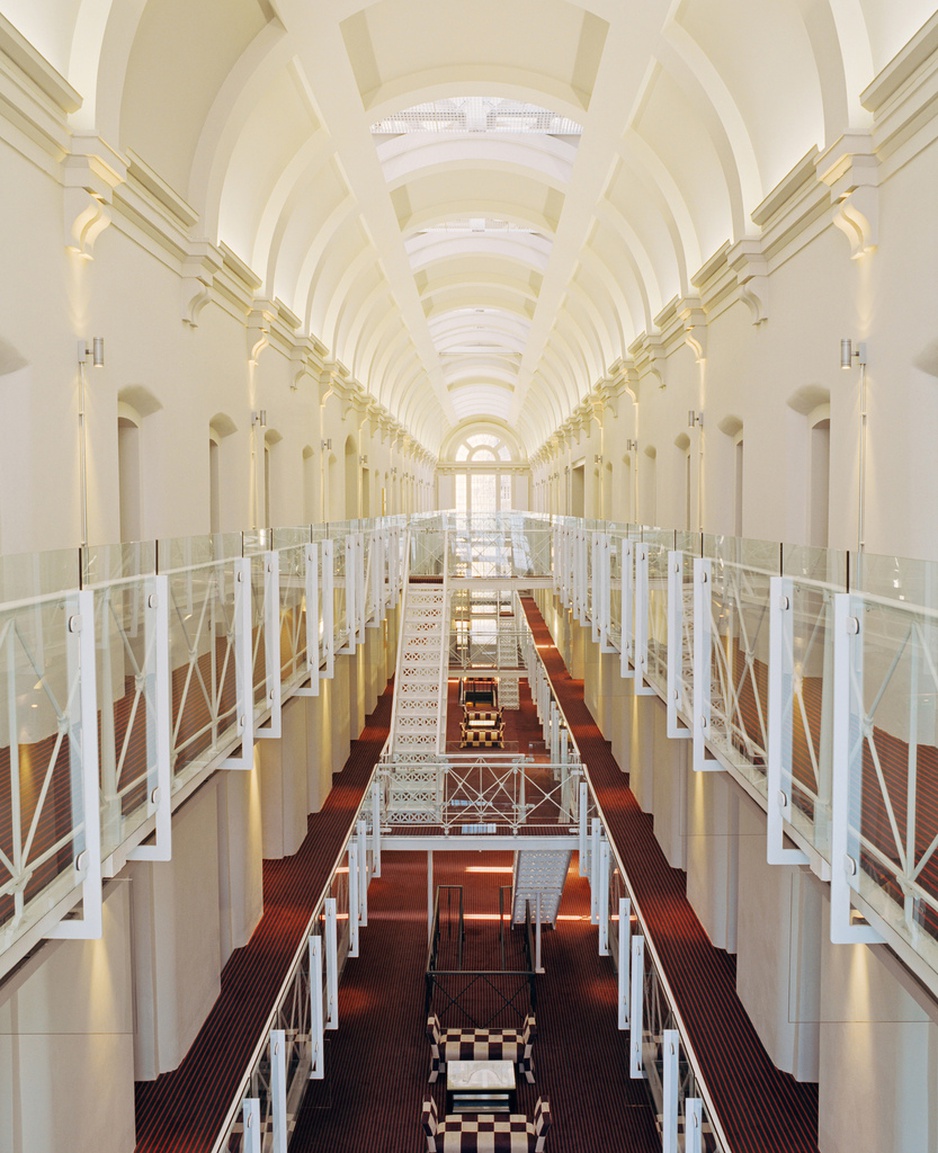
column 480, row 1086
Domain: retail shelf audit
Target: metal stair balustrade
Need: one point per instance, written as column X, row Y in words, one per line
column 538, row 879
column 419, row 720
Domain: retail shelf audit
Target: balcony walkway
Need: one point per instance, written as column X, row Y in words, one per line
column 762, row 1110
column 184, row 1110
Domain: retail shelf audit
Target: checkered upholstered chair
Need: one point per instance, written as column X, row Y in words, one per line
column 513, row 1045
column 486, row 1132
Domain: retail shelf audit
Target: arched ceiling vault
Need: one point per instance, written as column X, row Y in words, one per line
column 477, row 208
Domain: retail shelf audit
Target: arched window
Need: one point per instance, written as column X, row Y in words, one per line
column 486, row 483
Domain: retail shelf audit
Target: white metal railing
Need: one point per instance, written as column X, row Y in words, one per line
column 180, row 653
column 646, row 1004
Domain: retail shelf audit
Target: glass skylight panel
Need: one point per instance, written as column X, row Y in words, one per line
column 477, row 114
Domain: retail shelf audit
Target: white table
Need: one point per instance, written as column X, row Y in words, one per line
column 480, row 1086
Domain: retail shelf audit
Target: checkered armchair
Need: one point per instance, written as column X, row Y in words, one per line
column 513, row 1045
column 486, row 1132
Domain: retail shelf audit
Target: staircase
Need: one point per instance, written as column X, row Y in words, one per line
column 418, row 723
column 539, row 872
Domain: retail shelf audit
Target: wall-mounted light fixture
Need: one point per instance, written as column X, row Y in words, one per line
column 327, row 445
column 95, row 350
column 259, row 417
column 394, row 472
column 364, row 458
column 598, row 458
column 631, row 445
column 849, row 354
column 694, row 418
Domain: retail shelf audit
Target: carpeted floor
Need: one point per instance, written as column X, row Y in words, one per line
column 183, row 1111
column 762, row 1109
column 379, row 1058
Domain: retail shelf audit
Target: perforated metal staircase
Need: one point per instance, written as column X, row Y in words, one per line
column 418, row 724
column 539, row 873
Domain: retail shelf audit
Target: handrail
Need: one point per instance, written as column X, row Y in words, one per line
column 649, row 941
column 299, row 958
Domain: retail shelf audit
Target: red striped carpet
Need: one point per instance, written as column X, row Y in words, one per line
column 182, row 1111
column 379, row 1059
column 762, row 1110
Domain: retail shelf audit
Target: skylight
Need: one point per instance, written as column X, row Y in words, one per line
column 477, row 114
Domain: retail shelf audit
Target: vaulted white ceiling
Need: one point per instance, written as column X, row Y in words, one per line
column 473, row 259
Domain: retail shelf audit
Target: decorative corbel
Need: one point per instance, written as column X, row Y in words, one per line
column 260, row 318
column 694, row 318
column 91, row 172
column 747, row 260
column 648, row 354
column 198, row 277
column 850, row 168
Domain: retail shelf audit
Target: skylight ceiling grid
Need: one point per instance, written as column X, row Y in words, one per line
column 477, row 114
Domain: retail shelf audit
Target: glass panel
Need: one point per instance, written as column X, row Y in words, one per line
column 894, row 768
column 41, row 810
column 35, row 574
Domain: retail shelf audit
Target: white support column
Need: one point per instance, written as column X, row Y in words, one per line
column 538, row 967
column 703, row 638
column 583, row 854
column 159, row 724
column 244, row 665
column 675, row 643
column 352, row 899
column 595, row 589
column 251, row 1121
column 328, row 606
column 360, row 602
column 87, row 844
column 847, row 762
column 595, row 835
column 272, row 659
column 332, row 964
column 641, row 622
column 317, row 1024
column 429, row 893
column 311, row 582
column 693, row 1125
column 362, row 834
column 781, row 711
column 626, row 652
column 376, row 828
column 636, row 1010
column 278, row 1089
column 670, row 1045
column 603, row 898
column 625, row 957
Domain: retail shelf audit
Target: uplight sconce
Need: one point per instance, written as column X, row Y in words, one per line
column 631, row 445
column 259, row 417
column 850, row 355
column 95, row 350
column 364, row 458
column 694, row 418
column 598, row 458
column 327, row 445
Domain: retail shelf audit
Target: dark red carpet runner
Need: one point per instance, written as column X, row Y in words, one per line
column 378, row 1060
column 762, row 1110
column 183, row 1111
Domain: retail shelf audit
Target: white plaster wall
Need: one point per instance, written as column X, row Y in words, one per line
column 780, row 926
column 284, row 784
column 240, row 862
column 670, row 760
column 176, row 971
column 878, row 1054
column 713, row 855
column 66, row 1043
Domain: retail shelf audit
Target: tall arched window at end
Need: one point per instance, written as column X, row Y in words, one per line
column 486, row 472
